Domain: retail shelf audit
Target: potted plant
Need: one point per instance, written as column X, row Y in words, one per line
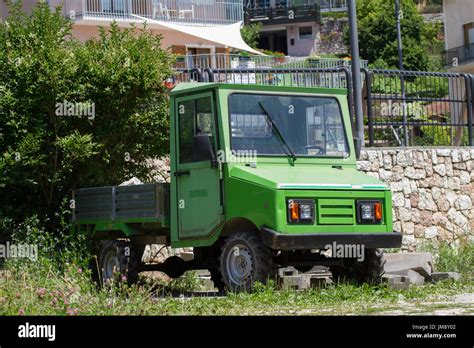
column 279, row 56
column 244, row 56
column 179, row 57
column 314, row 61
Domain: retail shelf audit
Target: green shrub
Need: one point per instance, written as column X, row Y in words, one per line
column 45, row 152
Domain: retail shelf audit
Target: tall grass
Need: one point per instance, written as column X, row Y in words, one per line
column 58, row 283
column 453, row 258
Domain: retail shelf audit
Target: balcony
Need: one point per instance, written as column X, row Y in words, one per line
column 290, row 11
column 185, row 12
column 458, row 56
column 282, row 11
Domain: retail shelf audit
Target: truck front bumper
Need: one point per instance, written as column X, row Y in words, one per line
column 280, row 241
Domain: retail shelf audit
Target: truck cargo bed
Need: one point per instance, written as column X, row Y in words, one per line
column 135, row 203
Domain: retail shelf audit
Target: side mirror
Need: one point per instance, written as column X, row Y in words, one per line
column 202, row 149
column 358, row 146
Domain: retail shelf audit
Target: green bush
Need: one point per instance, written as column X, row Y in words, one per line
column 45, row 152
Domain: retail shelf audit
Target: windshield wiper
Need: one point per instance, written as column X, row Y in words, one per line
column 277, row 132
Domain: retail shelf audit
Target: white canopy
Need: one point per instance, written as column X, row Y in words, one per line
column 226, row 35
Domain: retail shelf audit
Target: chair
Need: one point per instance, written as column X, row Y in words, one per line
column 161, row 9
column 183, row 11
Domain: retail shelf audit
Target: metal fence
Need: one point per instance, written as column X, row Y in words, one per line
column 401, row 108
column 324, row 78
column 237, row 61
column 412, row 108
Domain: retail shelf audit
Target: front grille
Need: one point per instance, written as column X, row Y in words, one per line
column 336, row 212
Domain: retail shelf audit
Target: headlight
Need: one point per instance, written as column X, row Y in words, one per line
column 369, row 212
column 300, row 210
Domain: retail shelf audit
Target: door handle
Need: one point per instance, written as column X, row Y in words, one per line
column 181, row 173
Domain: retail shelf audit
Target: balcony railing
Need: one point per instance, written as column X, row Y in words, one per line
column 333, row 5
column 285, row 11
column 188, row 12
column 235, row 61
column 324, row 5
column 459, row 55
column 282, row 11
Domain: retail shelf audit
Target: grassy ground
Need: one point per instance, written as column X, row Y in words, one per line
column 41, row 289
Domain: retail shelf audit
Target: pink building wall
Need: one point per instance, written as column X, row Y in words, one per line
column 83, row 30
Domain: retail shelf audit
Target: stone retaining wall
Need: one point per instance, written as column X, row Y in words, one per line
column 432, row 191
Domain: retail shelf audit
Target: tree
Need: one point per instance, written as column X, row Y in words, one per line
column 378, row 34
column 75, row 114
column 251, row 34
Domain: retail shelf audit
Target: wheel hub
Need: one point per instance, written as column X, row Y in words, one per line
column 111, row 265
column 239, row 264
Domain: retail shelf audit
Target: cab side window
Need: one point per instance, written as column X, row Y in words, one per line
column 195, row 118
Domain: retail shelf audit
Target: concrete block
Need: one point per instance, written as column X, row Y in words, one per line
column 319, row 281
column 396, row 281
column 186, row 256
column 437, row 276
column 419, row 262
column 320, row 270
column 296, row 282
column 203, row 273
column 414, row 277
column 287, row 271
column 207, row 284
column 400, row 285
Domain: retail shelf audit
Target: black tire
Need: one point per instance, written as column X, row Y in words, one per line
column 216, row 278
column 374, row 266
column 121, row 256
column 369, row 271
column 94, row 267
column 244, row 260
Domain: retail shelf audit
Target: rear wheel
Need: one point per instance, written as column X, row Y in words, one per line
column 370, row 270
column 216, row 278
column 375, row 266
column 118, row 262
column 244, row 260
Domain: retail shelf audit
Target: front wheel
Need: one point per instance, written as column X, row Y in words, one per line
column 245, row 260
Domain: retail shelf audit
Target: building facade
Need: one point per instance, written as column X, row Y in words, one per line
column 290, row 26
column 186, row 26
column 459, row 35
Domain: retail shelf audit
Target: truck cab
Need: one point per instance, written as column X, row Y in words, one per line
column 262, row 177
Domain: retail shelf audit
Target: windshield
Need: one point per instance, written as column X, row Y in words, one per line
column 311, row 126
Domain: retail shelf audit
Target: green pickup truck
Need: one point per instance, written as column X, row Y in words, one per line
column 262, row 177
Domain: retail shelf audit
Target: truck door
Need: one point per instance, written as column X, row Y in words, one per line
column 198, row 181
